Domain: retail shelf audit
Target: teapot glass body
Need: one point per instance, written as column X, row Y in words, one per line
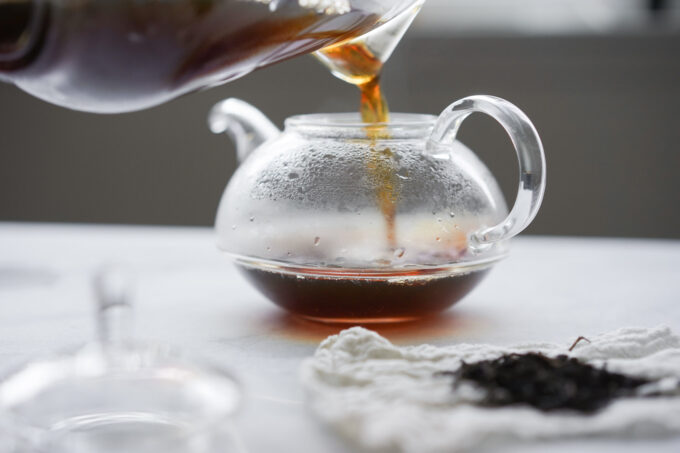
column 339, row 221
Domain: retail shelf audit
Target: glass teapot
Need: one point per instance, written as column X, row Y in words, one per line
column 339, row 221
column 113, row 56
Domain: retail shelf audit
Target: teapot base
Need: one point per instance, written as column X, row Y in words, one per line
column 351, row 296
column 356, row 321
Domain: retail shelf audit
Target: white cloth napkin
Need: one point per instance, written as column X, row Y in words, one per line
column 382, row 396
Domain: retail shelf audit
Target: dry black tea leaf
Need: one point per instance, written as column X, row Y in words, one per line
column 545, row 383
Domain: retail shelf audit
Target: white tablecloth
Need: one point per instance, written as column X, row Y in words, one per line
column 188, row 294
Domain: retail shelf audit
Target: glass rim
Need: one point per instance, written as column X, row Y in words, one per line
column 350, row 123
column 105, row 362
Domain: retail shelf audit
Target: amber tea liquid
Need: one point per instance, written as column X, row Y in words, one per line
column 353, row 296
column 355, row 63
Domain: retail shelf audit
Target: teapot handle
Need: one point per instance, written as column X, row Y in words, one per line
column 529, row 151
column 243, row 123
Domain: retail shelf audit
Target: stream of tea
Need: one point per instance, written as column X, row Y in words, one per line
column 360, row 67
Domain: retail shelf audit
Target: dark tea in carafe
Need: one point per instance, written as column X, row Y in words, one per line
column 123, row 55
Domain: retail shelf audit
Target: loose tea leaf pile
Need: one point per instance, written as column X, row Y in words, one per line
column 545, row 383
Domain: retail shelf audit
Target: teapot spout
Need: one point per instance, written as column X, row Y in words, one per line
column 244, row 124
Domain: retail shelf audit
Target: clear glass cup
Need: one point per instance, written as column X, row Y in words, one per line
column 117, row 395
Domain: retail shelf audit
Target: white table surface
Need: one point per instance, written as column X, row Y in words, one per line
column 189, row 295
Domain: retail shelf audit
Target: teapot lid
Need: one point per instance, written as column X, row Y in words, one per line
column 349, row 125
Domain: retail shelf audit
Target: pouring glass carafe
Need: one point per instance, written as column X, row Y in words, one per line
column 302, row 215
column 113, row 56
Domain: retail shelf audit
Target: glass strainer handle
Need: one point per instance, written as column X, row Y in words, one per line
column 112, row 285
column 529, row 151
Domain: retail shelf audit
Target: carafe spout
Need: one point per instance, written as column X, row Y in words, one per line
column 244, row 124
column 377, row 45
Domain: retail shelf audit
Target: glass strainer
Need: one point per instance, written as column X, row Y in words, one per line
column 115, row 394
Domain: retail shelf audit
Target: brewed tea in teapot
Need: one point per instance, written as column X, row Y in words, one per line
column 301, row 219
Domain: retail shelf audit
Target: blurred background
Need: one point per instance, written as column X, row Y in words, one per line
column 599, row 78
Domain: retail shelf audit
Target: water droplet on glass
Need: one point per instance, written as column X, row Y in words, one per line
column 252, row 218
column 402, row 173
column 438, row 239
column 288, row 253
column 233, row 227
column 316, row 241
column 399, row 252
column 269, row 248
column 451, row 214
column 439, row 220
column 293, row 175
